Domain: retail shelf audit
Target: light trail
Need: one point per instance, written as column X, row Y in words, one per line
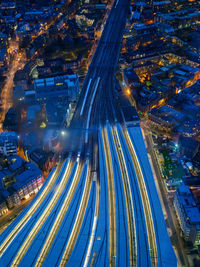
column 145, row 201
column 27, row 242
column 124, row 172
column 90, row 109
column 94, row 226
column 128, row 198
column 99, row 254
column 92, row 237
column 31, row 211
column 111, row 197
column 79, row 219
column 116, row 3
column 143, row 252
column 81, row 113
column 52, row 234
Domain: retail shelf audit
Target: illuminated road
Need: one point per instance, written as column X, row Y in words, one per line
column 100, row 206
column 6, row 91
column 18, row 63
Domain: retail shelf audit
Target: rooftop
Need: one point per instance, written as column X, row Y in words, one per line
column 188, row 204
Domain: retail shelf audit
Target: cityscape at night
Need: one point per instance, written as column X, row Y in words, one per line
column 100, row 133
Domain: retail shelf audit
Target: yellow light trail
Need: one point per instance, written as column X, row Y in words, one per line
column 128, row 199
column 30, row 212
column 111, row 198
column 93, row 232
column 52, row 234
column 145, row 201
column 27, row 242
column 78, row 222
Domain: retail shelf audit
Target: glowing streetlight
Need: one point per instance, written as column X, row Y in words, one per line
column 128, row 92
column 62, row 133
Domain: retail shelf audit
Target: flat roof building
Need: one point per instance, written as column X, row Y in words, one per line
column 57, row 87
column 8, row 143
column 188, row 214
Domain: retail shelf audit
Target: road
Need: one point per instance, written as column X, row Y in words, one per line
column 6, row 92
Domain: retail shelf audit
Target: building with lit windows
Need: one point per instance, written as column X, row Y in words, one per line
column 3, row 40
column 3, row 207
column 188, row 214
column 18, row 180
column 8, row 143
column 60, row 87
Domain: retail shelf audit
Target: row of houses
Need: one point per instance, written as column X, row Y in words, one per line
column 18, row 181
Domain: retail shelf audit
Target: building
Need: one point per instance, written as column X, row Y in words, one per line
column 8, row 143
column 130, row 78
column 60, row 87
column 188, row 214
column 3, row 40
column 39, row 157
column 33, row 112
column 188, row 146
column 21, row 79
column 147, row 100
column 3, row 57
column 56, row 66
column 19, row 180
column 161, row 6
column 3, row 207
column 165, row 118
column 11, row 120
